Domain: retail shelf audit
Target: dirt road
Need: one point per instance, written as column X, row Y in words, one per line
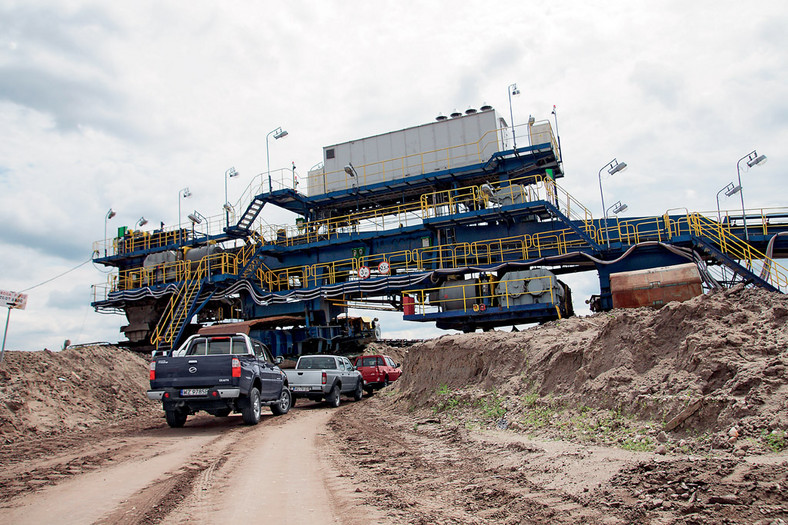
column 212, row 470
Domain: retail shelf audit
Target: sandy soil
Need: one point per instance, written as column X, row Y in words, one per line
column 674, row 416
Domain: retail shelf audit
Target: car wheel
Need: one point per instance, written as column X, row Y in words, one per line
column 223, row 412
column 386, row 382
column 283, row 405
column 333, row 397
column 251, row 413
column 370, row 391
column 176, row 418
column 359, row 392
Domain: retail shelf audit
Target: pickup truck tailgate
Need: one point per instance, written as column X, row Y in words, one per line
column 194, row 371
column 305, row 380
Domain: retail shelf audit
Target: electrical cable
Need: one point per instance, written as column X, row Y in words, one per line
column 59, row 276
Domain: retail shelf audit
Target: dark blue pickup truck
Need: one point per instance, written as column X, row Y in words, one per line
column 219, row 374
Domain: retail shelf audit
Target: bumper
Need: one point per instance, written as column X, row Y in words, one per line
column 307, row 391
column 173, row 394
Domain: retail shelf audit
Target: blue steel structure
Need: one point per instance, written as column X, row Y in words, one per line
column 462, row 247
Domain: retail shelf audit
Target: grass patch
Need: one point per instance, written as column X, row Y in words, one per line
column 775, row 440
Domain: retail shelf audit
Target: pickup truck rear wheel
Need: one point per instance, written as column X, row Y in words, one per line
column 176, row 418
column 283, row 405
column 333, row 397
column 358, row 393
column 251, row 413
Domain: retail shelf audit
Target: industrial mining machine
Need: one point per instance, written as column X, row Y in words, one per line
column 460, row 222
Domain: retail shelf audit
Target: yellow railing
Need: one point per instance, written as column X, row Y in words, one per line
column 175, row 314
column 432, row 205
column 138, row 240
column 767, row 269
column 471, row 297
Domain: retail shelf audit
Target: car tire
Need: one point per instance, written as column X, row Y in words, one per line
column 370, row 391
column 358, row 393
column 251, row 412
column 333, row 397
column 176, row 418
column 281, row 407
column 386, row 382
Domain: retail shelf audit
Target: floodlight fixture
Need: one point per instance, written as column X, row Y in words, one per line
column 142, row 222
column 619, row 207
column 195, row 217
column 350, row 170
column 757, row 161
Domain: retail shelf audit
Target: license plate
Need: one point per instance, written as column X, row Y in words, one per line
column 300, row 389
column 186, row 392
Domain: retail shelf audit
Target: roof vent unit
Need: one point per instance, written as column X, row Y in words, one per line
column 470, row 111
column 455, row 114
column 485, row 107
column 441, row 117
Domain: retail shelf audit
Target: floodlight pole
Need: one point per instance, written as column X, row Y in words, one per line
column 612, row 167
column 512, row 89
column 752, row 160
column 5, row 333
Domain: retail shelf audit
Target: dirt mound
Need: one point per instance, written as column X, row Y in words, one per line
column 51, row 392
column 715, row 363
column 397, row 353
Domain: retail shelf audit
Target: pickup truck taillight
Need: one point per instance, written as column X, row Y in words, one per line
column 325, row 378
column 236, row 367
column 152, row 370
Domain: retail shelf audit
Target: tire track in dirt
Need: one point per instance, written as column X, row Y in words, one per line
column 130, row 480
column 276, row 474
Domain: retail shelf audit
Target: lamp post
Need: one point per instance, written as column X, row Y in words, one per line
column 729, row 190
column 512, row 89
column 107, row 217
column 558, row 136
column 613, row 167
column 753, row 159
column 183, row 193
column 278, row 133
column 229, row 173
column 617, row 208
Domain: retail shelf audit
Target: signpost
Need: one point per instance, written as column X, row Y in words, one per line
column 10, row 300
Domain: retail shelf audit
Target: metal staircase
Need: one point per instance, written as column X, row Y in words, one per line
column 738, row 255
column 180, row 308
column 247, row 219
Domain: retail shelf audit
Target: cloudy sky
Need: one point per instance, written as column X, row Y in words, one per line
column 121, row 104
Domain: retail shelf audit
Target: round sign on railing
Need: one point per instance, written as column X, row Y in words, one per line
column 363, row 272
column 384, row 267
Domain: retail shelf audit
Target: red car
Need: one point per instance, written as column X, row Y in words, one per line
column 377, row 370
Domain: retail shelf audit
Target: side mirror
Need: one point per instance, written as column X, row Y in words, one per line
column 398, row 365
column 278, row 360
